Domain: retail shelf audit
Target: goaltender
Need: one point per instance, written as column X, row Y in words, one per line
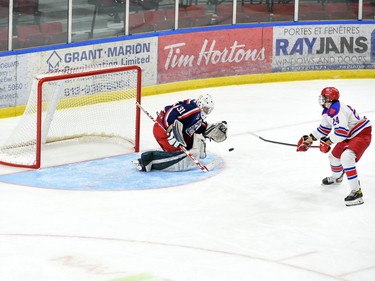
column 182, row 124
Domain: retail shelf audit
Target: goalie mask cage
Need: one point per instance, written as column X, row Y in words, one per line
column 89, row 104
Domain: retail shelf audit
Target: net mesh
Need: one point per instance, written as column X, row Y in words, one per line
column 82, row 103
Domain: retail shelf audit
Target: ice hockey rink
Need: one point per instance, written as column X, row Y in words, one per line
column 260, row 215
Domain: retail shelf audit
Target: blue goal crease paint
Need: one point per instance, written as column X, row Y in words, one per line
column 108, row 174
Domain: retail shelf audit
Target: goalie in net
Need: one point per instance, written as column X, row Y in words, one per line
column 182, row 124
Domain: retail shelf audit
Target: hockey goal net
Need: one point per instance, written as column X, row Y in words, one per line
column 89, row 104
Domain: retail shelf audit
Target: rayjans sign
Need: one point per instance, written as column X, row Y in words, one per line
column 320, row 47
column 214, row 54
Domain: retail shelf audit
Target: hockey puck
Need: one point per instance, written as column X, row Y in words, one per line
column 231, row 149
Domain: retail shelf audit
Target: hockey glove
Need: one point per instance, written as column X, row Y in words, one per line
column 217, row 131
column 325, row 145
column 303, row 144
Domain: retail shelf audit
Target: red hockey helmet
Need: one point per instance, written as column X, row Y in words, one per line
column 329, row 94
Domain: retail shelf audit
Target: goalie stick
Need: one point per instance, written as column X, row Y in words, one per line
column 277, row 142
column 207, row 168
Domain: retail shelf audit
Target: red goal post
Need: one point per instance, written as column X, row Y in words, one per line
column 90, row 104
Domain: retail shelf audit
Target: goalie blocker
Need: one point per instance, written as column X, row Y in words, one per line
column 178, row 161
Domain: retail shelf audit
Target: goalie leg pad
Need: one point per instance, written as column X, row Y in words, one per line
column 199, row 146
column 167, row 161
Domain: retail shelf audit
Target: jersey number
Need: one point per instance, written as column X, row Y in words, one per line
column 180, row 109
column 335, row 121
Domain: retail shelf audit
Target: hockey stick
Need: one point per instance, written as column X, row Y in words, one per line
column 182, row 148
column 277, row 142
column 210, row 166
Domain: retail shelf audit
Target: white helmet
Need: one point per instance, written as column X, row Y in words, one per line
column 206, row 104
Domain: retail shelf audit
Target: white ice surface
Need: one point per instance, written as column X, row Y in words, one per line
column 265, row 216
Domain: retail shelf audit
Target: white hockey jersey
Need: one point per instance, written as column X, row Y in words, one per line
column 340, row 122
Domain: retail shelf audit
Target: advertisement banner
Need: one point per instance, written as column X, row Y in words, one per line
column 17, row 72
column 321, row 47
column 214, row 53
column 9, row 85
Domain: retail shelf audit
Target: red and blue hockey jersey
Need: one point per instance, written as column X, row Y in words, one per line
column 188, row 113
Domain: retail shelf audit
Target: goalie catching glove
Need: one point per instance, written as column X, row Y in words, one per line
column 217, row 131
column 175, row 136
column 304, row 143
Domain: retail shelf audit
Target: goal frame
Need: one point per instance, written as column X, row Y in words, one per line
column 39, row 118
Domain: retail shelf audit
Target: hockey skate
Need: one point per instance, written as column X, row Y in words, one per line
column 331, row 180
column 138, row 165
column 354, row 198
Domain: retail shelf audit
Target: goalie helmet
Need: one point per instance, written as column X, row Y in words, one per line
column 206, row 104
column 329, row 94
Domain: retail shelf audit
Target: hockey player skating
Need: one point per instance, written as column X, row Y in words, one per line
column 182, row 124
column 340, row 125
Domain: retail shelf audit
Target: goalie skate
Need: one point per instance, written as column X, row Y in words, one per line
column 138, row 165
